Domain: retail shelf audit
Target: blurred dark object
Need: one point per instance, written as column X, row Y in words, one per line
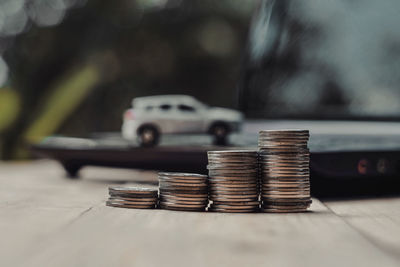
column 71, row 67
column 77, row 66
column 357, row 163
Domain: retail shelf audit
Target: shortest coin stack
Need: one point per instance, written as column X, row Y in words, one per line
column 183, row 191
column 132, row 197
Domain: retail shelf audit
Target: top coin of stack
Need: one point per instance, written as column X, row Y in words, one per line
column 132, row 197
column 183, row 191
column 285, row 176
column 233, row 180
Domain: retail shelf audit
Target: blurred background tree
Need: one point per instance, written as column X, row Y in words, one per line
column 72, row 67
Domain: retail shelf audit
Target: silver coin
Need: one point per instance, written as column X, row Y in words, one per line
column 284, row 189
column 182, row 205
column 232, row 152
column 284, row 153
column 286, row 200
column 216, row 209
column 268, row 191
column 287, row 208
column 232, row 167
column 241, row 183
column 132, row 190
column 234, row 207
column 282, row 144
column 284, row 165
column 177, row 179
column 184, row 202
column 166, row 207
column 283, row 211
column 269, row 196
column 231, row 161
column 235, row 181
column 288, row 158
column 290, row 168
column 293, row 178
column 285, row 183
column 236, row 203
column 182, row 174
column 227, row 196
column 233, row 156
column 287, row 203
column 132, row 202
column 138, row 199
column 184, row 195
column 234, row 200
column 233, row 186
column 233, row 192
column 191, row 199
column 285, row 132
column 284, row 169
column 181, row 184
column 132, row 206
column 282, row 141
column 229, row 171
column 284, row 174
column 185, row 185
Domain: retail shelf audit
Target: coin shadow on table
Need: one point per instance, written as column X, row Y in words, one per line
column 308, row 212
column 363, row 197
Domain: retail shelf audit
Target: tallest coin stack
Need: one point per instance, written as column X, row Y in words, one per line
column 285, row 176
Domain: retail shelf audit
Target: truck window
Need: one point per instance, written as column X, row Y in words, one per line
column 186, row 108
column 165, row 107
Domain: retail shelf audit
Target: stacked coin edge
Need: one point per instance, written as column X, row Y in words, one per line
column 284, row 170
column 132, row 197
column 183, row 191
column 233, row 181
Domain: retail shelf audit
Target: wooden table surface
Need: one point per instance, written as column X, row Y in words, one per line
column 48, row 220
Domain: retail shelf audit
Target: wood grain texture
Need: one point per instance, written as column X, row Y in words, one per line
column 48, row 220
column 378, row 219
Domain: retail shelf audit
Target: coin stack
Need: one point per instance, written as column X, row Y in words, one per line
column 183, row 191
column 285, row 175
column 132, row 197
column 233, row 181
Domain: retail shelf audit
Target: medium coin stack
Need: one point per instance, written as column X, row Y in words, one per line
column 284, row 166
column 183, row 191
column 233, row 181
column 132, row 197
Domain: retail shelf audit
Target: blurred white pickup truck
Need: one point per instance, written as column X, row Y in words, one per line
column 152, row 116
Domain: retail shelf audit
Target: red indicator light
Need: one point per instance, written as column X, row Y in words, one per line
column 362, row 166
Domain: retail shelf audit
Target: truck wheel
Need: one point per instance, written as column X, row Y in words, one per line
column 148, row 136
column 72, row 169
column 220, row 132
